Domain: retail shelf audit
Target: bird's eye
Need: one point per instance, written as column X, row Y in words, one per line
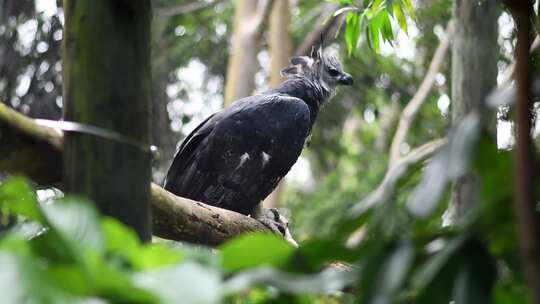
column 333, row 72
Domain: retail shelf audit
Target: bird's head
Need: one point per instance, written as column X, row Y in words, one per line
column 323, row 69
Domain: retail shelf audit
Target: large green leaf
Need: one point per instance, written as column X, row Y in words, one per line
column 18, row 198
column 257, row 249
column 316, row 254
column 398, row 13
column 123, row 242
column 352, row 32
column 185, row 283
column 77, row 222
column 24, row 280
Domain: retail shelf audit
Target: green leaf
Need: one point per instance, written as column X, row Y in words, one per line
column 123, row 242
column 352, row 32
column 77, row 222
column 393, row 273
column 398, row 13
column 315, row 255
column 429, row 270
column 18, row 198
column 24, row 280
column 476, row 276
column 258, row 249
column 387, row 31
column 409, row 8
column 113, row 282
column 376, row 6
column 373, row 35
column 184, row 283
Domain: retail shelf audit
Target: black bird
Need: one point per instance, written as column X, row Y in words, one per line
column 236, row 157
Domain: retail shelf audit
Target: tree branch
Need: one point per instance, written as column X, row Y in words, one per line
column 525, row 206
column 264, row 7
column 324, row 25
column 36, row 151
column 409, row 113
column 185, row 8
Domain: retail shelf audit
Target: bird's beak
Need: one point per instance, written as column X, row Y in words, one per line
column 345, row 79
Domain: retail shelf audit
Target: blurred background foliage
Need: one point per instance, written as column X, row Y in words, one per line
column 403, row 257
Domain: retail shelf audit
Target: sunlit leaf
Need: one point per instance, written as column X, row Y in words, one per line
column 352, row 32
column 398, row 13
column 18, row 198
column 388, row 33
column 409, row 7
column 373, row 37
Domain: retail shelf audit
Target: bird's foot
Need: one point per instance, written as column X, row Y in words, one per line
column 276, row 222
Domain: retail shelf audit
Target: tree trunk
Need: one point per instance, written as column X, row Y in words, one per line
column 474, row 75
column 280, row 45
column 525, row 168
column 161, row 134
column 249, row 17
column 107, row 84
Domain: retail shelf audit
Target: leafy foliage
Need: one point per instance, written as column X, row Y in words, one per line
column 374, row 19
column 77, row 256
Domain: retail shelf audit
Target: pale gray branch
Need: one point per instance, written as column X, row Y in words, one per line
column 411, row 110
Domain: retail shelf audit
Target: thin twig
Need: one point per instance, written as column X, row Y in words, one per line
column 184, row 9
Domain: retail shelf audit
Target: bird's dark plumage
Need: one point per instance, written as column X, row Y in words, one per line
column 236, row 157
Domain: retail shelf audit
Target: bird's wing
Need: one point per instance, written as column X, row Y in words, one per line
column 236, row 158
column 185, row 151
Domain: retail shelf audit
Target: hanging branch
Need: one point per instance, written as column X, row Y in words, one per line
column 409, row 113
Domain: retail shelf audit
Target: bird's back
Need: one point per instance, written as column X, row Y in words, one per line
column 236, row 157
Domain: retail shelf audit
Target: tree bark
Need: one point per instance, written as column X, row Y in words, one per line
column 474, row 75
column 249, row 19
column 280, row 46
column 528, row 219
column 107, row 84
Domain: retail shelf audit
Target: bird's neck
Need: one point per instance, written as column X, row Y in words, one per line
column 313, row 94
